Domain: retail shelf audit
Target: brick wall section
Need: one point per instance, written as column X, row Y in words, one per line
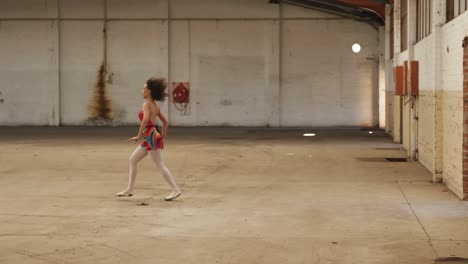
column 465, row 118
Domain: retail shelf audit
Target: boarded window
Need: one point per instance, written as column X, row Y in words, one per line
column 392, row 32
column 404, row 25
column 456, row 8
column 424, row 19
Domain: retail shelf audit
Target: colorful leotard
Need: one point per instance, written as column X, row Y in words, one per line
column 152, row 139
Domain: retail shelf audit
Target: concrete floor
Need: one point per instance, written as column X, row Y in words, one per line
column 250, row 196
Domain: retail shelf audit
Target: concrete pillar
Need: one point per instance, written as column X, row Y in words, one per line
column 54, row 88
column 413, row 113
column 382, row 77
column 273, row 71
column 397, row 101
column 438, row 20
column 272, row 76
column 388, row 66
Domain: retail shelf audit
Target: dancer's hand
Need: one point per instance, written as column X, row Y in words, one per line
column 134, row 139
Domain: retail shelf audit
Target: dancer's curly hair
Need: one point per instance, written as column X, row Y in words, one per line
column 157, row 86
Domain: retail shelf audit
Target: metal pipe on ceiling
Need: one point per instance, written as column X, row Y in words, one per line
column 339, row 8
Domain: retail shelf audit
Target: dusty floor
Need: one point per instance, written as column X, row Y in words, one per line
column 250, row 196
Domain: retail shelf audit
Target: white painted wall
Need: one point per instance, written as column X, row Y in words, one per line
column 222, row 9
column 140, row 9
column 323, row 82
column 249, row 63
column 453, row 34
column 78, row 74
column 28, row 9
column 228, row 76
column 426, row 114
column 423, row 53
column 72, row 9
column 136, row 51
column 179, row 66
column 440, row 103
column 28, row 72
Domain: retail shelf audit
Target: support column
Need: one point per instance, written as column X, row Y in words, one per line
column 273, row 72
column 382, row 77
column 397, row 101
column 272, row 75
column 388, row 67
column 438, row 20
column 54, row 108
column 413, row 113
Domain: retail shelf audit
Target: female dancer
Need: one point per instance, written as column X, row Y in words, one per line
column 154, row 90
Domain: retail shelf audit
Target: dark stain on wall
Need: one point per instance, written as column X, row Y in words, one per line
column 100, row 105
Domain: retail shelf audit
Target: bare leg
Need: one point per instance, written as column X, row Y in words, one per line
column 139, row 154
column 156, row 155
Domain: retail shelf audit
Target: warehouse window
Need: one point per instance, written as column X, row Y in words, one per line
column 404, row 25
column 456, row 8
column 424, row 21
